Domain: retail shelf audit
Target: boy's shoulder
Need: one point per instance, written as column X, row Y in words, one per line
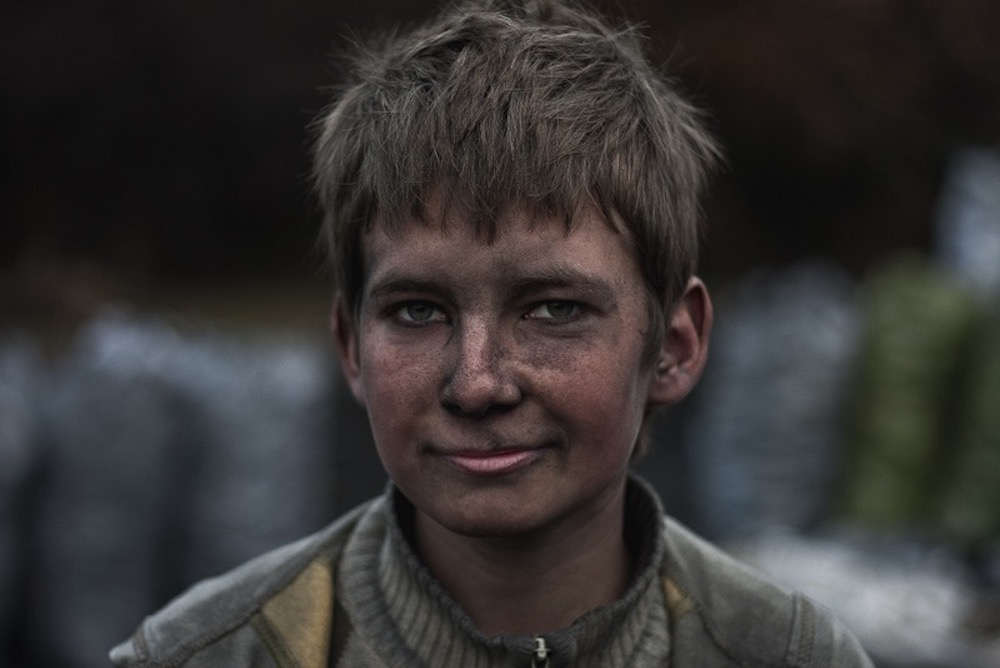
column 267, row 597
column 722, row 607
column 282, row 605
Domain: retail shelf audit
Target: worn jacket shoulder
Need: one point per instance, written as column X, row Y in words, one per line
column 746, row 618
column 222, row 605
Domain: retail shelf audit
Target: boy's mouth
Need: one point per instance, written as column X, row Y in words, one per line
column 493, row 462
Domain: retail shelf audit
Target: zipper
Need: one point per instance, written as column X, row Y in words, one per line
column 540, row 657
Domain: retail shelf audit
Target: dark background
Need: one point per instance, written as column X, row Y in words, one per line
column 152, row 147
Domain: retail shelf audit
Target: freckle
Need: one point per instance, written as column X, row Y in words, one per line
column 547, row 357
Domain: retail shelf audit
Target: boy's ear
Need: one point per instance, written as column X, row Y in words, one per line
column 685, row 346
column 345, row 336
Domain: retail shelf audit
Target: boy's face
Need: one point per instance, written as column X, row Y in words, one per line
column 504, row 381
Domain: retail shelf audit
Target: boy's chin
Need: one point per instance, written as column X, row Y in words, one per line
column 493, row 529
column 487, row 522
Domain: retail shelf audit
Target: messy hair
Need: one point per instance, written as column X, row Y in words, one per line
column 498, row 103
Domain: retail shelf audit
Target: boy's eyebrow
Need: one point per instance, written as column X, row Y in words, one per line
column 392, row 283
column 517, row 283
column 562, row 277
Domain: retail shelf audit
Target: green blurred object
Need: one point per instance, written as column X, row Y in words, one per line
column 910, row 392
column 970, row 507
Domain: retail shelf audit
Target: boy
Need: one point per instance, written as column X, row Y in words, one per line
column 510, row 198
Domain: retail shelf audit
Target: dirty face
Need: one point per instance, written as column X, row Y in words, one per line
column 504, row 379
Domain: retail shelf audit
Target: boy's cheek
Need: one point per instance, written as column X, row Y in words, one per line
column 392, row 374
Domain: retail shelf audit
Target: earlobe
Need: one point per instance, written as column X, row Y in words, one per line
column 685, row 346
column 345, row 337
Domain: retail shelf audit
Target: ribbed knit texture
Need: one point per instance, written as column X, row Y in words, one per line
column 402, row 614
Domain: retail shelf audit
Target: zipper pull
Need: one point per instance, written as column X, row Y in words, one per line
column 540, row 657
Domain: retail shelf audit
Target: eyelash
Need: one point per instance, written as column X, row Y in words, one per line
column 401, row 312
column 576, row 307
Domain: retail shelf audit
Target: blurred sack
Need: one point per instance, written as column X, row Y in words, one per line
column 766, row 439
column 172, row 454
column 909, row 394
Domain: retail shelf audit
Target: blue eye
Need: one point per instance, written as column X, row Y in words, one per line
column 555, row 310
column 420, row 313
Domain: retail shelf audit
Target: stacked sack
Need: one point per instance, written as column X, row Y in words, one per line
column 765, row 440
column 926, row 428
column 969, row 248
column 911, row 388
column 172, row 452
column 23, row 381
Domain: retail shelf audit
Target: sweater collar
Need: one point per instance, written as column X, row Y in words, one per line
column 429, row 626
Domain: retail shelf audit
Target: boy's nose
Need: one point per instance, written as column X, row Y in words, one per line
column 478, row 379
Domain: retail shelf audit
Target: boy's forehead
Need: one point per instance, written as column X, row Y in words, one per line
column 523, row 243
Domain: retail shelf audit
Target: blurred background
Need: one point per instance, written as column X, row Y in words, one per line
column 169, row 405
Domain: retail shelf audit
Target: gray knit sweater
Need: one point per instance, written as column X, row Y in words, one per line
column 356, row 595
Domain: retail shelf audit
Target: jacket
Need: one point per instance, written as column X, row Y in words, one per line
column 355, row 594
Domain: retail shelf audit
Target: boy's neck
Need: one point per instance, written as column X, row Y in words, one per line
column 528, row 585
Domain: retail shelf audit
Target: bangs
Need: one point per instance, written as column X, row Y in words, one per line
column 485, row 110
